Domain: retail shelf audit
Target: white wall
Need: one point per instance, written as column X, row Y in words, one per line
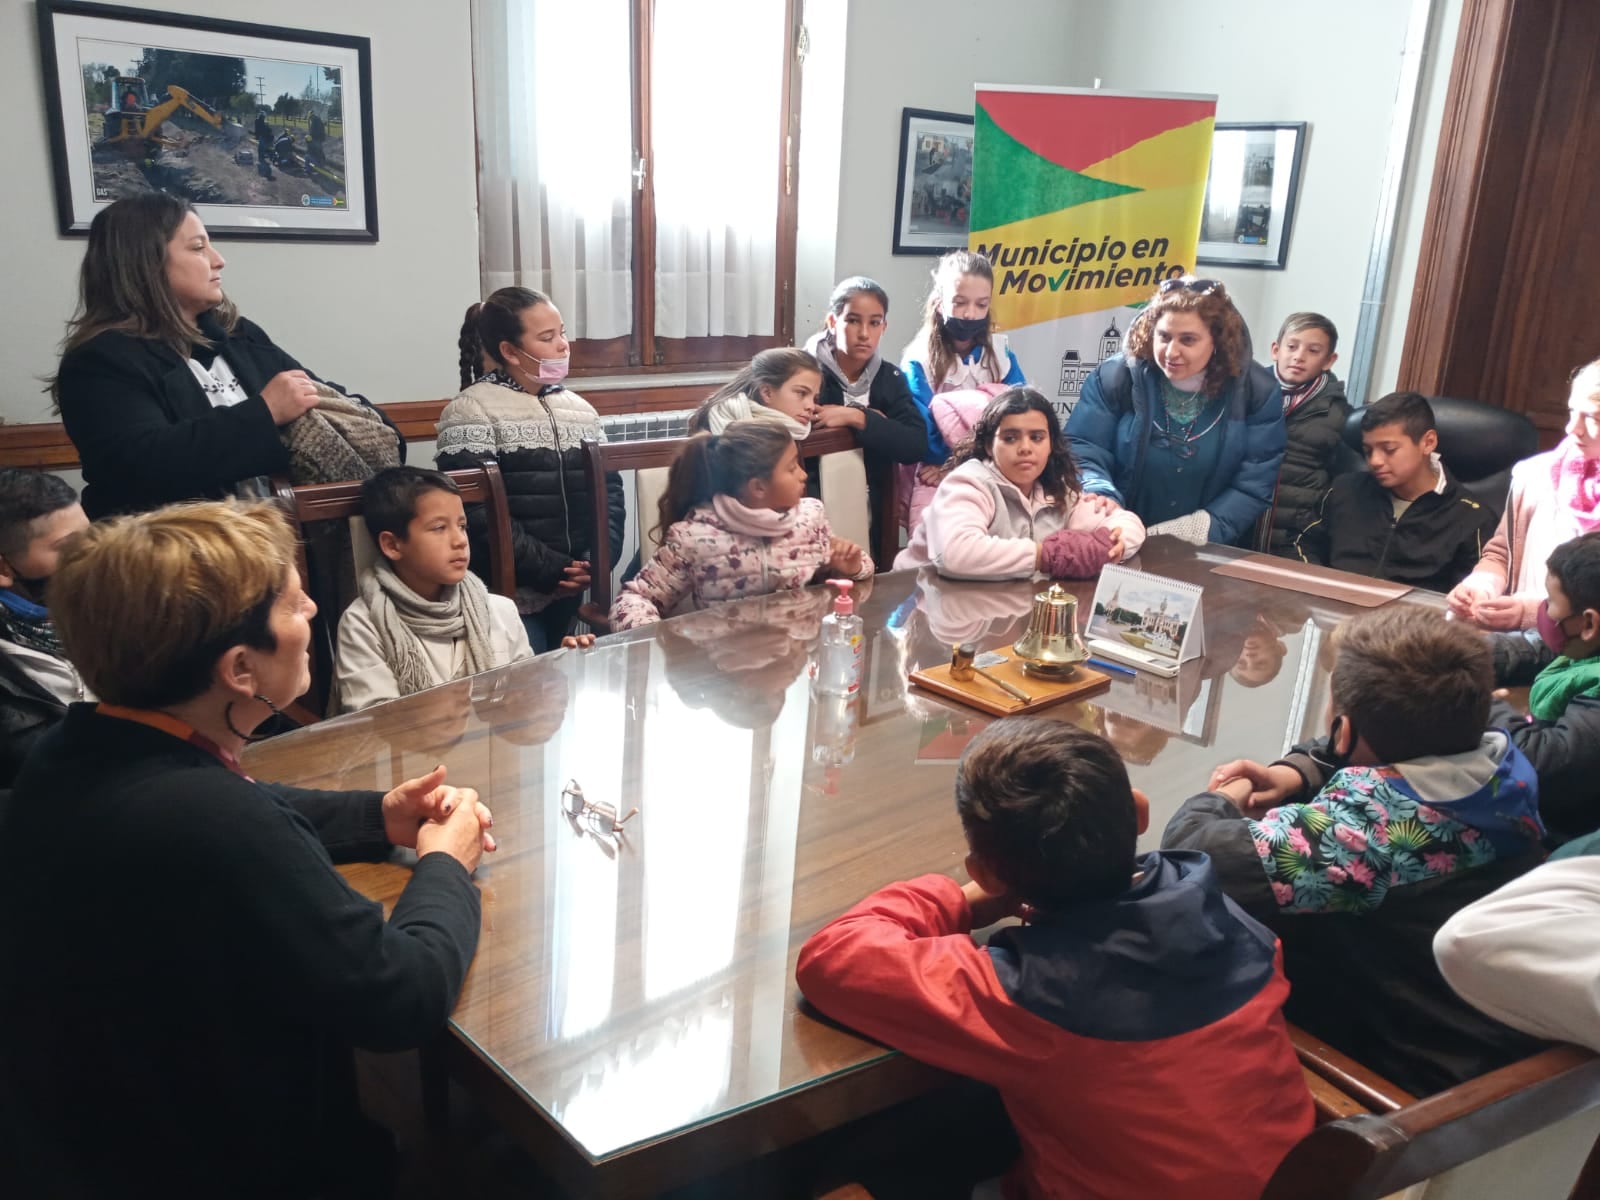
column 905, row 54
column 1342, row 81
column 1343, row 84
column 381, row 317
column 1414, row 201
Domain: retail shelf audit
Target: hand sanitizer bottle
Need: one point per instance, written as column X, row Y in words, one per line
column 838, row 671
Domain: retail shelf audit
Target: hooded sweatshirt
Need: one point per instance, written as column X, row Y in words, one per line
column 1079, row 1019
column 981, row 526
column 1358, row 879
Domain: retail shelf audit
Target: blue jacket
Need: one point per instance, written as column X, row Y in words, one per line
column 1109, row 436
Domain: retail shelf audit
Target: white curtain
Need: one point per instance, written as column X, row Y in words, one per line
column 715, row 104
column 552, row 86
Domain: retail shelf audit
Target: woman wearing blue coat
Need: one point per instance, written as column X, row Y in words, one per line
column 1181, row 427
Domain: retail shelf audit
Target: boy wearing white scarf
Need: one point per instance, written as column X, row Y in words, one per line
column 421, row 619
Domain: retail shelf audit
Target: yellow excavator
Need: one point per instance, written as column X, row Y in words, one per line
column 135, row 119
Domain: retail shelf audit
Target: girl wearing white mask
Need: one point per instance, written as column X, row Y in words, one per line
column 513, row 408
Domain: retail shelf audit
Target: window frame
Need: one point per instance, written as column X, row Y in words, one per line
column 642, row 352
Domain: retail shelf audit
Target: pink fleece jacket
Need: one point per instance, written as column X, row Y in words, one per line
column 981, row 526
column 725, row 551
column 1534, row 524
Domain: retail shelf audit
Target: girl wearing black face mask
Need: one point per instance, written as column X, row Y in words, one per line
column 955, row 351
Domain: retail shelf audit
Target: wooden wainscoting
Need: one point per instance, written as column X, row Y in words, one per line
column 46, row 445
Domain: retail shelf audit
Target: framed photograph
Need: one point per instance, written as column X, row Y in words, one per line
column 934, row 192
column 1250, row 195
column 267, row 131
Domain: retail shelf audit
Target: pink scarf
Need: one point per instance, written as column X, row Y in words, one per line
column 751, row 522
column 1577, row 483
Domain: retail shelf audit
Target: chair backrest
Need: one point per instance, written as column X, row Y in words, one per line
column 333, row 562
column 1536, row 1119
column 1479, row 443
column 649, row 461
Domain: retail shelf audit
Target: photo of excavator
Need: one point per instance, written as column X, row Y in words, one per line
column 213, row 129
column 135, row 123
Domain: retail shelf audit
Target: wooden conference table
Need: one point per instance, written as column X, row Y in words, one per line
column 632, row 1013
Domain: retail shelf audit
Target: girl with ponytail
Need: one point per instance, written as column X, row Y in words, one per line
column 513, row 355
column 737, row 523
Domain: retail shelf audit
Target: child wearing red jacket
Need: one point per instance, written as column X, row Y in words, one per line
column 1133, row 1025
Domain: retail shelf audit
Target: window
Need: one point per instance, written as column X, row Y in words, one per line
column 636, row 162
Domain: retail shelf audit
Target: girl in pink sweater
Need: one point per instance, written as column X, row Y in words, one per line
column 1012, row 504
column 1555, row 497
column 738, row 524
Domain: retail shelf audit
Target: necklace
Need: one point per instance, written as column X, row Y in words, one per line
column 1175, row 431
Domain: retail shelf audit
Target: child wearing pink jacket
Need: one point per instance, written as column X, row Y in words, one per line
column 736, row 523
column 1011, row 507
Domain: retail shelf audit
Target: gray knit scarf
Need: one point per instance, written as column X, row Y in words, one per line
column 401, row 617
column 857, row 391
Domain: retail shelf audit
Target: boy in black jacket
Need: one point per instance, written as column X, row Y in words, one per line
column 1405, row 519
column 1314, row 413
column 39, row 512
column 1561, row 733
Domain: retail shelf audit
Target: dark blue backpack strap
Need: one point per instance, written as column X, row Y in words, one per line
column 1116, row 384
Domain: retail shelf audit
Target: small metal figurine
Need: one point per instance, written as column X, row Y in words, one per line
column 598, row 817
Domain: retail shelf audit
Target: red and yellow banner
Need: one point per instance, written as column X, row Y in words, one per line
column 1084, row 201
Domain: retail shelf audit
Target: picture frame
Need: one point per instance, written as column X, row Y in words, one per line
column 933, row 194
column 266, row 130
column 1251, row 192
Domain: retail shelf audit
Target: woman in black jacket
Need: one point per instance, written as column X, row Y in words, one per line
column 165, row 390
column 196, row 1005
column 512, row 407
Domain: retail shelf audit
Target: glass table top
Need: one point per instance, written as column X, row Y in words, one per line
column 631, row 988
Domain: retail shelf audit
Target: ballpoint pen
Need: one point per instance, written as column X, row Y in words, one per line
column 1111, row 666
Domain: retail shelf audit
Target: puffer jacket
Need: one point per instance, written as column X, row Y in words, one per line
column 1110, row 430
column 725, row 551
column 536, row 441
column 955, row 415
column 1310, row 461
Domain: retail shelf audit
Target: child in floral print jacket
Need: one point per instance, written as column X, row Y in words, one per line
column 737, row 523
column 1358, row 846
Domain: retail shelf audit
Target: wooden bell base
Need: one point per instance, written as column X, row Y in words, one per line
column 982, row 694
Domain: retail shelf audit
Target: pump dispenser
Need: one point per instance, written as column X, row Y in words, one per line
column 838, row 671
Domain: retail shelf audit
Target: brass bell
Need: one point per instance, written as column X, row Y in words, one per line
column 1051, row 649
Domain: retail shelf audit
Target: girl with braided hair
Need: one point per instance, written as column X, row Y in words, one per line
column 513, row 407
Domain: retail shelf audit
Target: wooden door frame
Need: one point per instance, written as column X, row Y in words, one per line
column 1482, row 218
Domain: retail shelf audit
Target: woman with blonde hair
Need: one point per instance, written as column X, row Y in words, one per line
column 1555, row 497
column 194, row 999
column 1182, row 427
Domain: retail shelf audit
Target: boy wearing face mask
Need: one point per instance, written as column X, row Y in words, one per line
column 1561, row 732
column 1357, row 847
column 38, row 513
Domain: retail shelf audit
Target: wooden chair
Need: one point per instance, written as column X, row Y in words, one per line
column 1536, row 1117
column 316, row 504
column 601, row 457
column 1374, row 1140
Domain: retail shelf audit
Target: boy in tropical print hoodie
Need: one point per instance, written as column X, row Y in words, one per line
column 1358, row 846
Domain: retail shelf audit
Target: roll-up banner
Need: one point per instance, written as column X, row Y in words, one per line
column 1084, row 201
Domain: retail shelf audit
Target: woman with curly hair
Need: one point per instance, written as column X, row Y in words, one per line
column 1182, row 427
column 1010, row 505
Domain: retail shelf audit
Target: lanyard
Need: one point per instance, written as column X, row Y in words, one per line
column 181, row 730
